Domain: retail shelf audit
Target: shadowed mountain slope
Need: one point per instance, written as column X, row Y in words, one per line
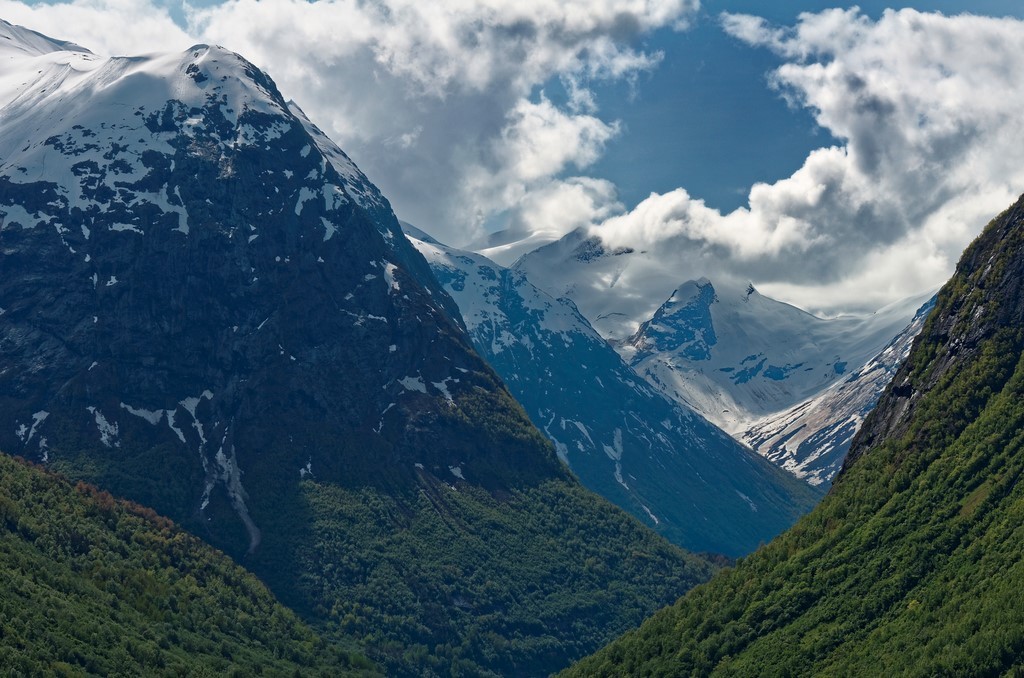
column 656, row 458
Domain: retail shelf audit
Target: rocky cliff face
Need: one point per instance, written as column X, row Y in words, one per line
column 982, row 303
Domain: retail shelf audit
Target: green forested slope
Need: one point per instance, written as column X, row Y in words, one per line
column 914, row 563
column 452, row 580
column 94, row 586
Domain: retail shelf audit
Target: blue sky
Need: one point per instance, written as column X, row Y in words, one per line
column 660, row 125
column 706, row 119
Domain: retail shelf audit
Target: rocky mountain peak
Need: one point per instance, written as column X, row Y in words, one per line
column 683, row 324
column 190, row 263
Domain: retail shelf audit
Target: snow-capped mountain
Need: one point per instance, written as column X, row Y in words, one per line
column 811, row 438
column 743, row 360
column 736, row 356
column 185, row 209
column 664, row 463
column 582, row 268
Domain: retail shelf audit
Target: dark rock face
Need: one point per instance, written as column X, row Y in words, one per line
column 984, row 298
column 682, row 324
column 225, row 291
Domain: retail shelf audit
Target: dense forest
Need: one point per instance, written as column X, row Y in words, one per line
column 914, row 563
column 94, row 585
column 449, row 579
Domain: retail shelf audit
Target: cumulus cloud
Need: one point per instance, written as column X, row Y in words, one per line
column 927, row 110
column 99, row 25
column 441, row 103
column 514, row 176
column 546, row 212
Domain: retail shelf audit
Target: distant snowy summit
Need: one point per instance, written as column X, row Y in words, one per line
column 737, row 357
column 793, row 386
column 650, row 454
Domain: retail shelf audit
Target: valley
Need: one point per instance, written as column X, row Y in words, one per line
column 251, row 423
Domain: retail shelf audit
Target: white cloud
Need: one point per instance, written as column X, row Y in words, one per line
column 516, row 174
column 100, row 25
column 927, row 110
column 568, row 204
column 540, row 140
column 546, row 213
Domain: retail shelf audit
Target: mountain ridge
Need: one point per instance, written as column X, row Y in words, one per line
column 666, row 464
column 811, row 439
column 737, row 356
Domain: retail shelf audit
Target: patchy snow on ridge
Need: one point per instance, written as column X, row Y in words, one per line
column 64, row 120
column 413, row 384
column 478, row 286
column 108, row 431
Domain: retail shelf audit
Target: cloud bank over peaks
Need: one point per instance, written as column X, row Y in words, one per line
column 100, row 25
column 450, row 107
column 928, row 112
